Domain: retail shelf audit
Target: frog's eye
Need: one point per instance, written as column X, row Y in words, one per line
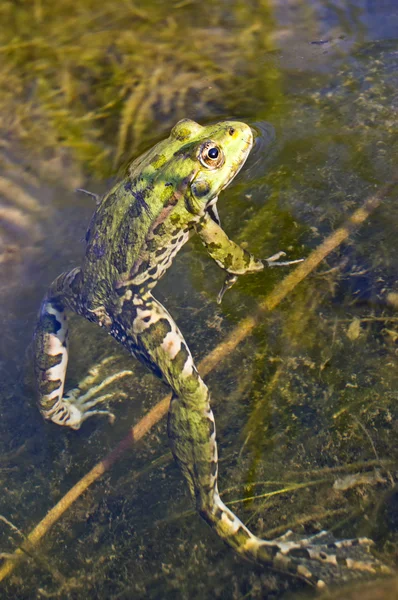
column 211, row 155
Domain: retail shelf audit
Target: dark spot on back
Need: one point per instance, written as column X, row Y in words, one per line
column 134, row 210
column 160, row 229
column 152, row 244
column 119, row 259
column 127, row 233
column 140, row 196
column 97, row 247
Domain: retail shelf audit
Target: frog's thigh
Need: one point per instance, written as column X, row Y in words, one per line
column 51, row 358
column 156, row 340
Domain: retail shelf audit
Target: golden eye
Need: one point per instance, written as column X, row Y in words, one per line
column 211, row 155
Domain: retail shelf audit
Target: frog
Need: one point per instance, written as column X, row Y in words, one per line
column 166, row 196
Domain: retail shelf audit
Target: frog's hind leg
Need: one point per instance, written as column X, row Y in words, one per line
column 153, row 337
column 51, row 360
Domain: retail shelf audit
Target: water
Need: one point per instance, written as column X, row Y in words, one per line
column 310, row 396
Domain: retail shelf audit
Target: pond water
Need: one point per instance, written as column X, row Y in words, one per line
column 306, row 403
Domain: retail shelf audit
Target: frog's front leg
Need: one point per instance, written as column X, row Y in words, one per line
column 230, row 256
column 51, row 359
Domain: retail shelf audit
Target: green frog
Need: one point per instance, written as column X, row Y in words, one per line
column 167, row 195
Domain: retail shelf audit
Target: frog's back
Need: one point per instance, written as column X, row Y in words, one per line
column 118, row 228
column 136, row 220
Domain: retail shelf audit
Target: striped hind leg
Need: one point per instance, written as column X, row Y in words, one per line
column 148, row 330
column 51, row 359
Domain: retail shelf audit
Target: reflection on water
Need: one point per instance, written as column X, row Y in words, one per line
column 85, row 86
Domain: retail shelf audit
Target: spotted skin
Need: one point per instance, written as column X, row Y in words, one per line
column 167, row 195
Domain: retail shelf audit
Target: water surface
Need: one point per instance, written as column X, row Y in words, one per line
column 310, row 396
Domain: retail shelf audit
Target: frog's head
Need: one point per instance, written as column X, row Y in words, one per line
column 216, row 153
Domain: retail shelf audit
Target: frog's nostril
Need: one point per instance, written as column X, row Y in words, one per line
column 231, row 131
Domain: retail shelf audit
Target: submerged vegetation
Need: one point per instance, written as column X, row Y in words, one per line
column 98, row 79
column 306, row 406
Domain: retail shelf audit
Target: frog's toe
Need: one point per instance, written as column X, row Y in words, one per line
column 95, row 373
column 86, row 401
column 73, row 412
column 90, row 413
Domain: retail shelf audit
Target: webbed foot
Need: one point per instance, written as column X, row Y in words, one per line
column 230, row 280
column 273, row 261
column 75, row 407
column 322, row 560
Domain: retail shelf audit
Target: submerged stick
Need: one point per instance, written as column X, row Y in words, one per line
column 239, row 333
